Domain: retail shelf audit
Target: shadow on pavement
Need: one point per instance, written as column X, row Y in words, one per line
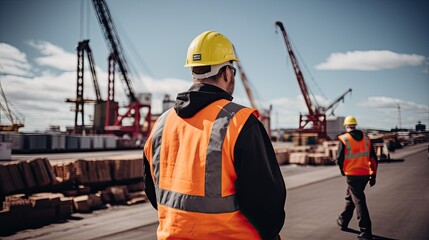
column 375, row 237
column 392, row 160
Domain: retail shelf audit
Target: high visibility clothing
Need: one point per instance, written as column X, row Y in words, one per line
column 192, row 166
column 357, row 159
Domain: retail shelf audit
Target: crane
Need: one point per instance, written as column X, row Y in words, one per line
column 16, row 119
column 116, row 125
column 335, row 103
column 264, row 114
column 316, row 115
column 83, row 46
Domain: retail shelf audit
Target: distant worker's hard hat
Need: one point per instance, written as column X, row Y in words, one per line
column 210, row 48
column 350, row 120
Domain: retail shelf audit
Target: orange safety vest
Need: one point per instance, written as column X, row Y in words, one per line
column 357, row 160
column 192, row 166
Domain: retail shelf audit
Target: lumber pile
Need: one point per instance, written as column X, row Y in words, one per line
column 25, row 176
column 22, row 212
column 35, row 193
column 324, row 154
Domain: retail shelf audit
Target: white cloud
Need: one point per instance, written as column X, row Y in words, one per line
column 160, row 87
column 384, row 111
column 41, row 97
column 285, row 113
column 392, row 103
column 54, row 56
column 370, row 60
column 13, row 61
column 11, row 52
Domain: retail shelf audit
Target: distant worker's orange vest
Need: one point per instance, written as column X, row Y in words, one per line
column 192, row 165
column 357, row 161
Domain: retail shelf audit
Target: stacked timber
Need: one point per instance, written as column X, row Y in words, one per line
column 65, row 172
column 35, row 193
column 324, row 154
column 21, row 212
column 131, row 169
column 27, row 175
column 24, row 176
column 43, row 172
column 298, row 158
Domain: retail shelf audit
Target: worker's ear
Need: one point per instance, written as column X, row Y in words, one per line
column 223, row 75
column 228, row 72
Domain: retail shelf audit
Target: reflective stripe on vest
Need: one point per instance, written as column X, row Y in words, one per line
column 349, row 154
column 212, row 202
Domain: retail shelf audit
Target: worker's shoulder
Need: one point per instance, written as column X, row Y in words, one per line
column 252, row 123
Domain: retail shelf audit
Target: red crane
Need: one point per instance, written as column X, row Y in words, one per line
column 264, row 114
column 115, row 123
column 316, row 115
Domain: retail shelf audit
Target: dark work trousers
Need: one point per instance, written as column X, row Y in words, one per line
column 355, row 198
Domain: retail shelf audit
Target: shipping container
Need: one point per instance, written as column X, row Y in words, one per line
column 85, row 142
column 36, row 142
column 72, row 142
column 58, row 142
column 5, row 150
column 109, row 142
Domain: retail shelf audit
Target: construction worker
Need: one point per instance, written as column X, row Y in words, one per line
column 211, row 170
column 358, row 162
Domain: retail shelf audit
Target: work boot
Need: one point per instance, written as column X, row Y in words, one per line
column 364, row 236
column 341, row 224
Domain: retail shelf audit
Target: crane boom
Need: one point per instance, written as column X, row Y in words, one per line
column 246, row 84
column 93, row 73
column 111, row 36
column 335, row 102
column 16, row 122
column 314, row 116
column 265, row 114
column 130, row 122
column 297, row 70
column 317, row 115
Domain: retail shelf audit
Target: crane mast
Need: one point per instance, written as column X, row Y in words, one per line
column 314, row 116
column 297, row 70
column 317, row 115
column 115, row 123
column 80, row 101
column 246, row 85
column 264, row 114
column 111, row 36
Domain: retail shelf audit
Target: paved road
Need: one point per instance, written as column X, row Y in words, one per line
column 398, row 205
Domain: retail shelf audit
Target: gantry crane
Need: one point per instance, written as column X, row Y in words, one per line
column 83, row 46
column 116, row 124
column 316, row 115
column 264, row 114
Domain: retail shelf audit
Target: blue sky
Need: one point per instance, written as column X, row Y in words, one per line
column 378, row 48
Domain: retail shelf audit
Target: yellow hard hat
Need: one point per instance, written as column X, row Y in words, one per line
column 350, row 120
column 209, row 48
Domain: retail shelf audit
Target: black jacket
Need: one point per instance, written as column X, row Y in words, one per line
column 261, row 190
column 356, row 135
